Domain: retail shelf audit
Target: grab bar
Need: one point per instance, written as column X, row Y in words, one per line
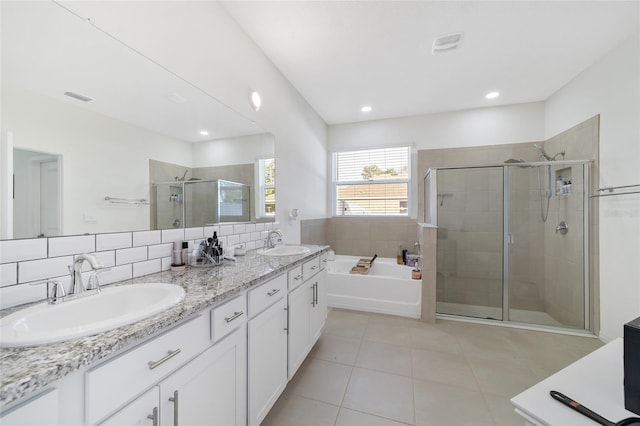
column 612, row 189
column 116, row 200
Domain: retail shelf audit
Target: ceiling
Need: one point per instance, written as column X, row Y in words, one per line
column 341, row 55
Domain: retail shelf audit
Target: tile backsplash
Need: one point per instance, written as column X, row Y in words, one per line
column 26, row 265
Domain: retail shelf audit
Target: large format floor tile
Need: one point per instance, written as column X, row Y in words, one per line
column 380, row 370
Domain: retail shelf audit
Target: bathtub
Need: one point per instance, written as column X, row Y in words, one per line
column 387, row 289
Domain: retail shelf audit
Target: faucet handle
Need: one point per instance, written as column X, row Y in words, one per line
column 55, row 291
column 93, row 283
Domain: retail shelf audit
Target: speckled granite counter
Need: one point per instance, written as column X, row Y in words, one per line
column 25, row 370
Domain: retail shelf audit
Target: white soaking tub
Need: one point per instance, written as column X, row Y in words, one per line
column 387, row 289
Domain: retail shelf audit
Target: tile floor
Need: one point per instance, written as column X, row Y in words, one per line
column 370, row 369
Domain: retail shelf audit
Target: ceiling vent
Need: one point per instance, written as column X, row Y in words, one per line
column 446, row 42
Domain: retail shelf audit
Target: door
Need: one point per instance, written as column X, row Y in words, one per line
column 318, row 306
column 470, row 242
column 49, row 199
column 211, row 389
column 299, row 305
column 267, row 360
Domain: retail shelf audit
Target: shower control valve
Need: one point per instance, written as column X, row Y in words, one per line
column 562, row 228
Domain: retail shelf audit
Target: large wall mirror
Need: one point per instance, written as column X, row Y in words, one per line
column 86, row 117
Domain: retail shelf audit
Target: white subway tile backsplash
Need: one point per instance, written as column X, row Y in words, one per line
column 258, row 243
column 226, row 230
column 245, row 237
column 209, row 230
column 117, row 273
column 35, row 270
column 18, row 250
column 107, row 258
column 249, row 227
column 62, row 246
column 146, row 238
column 239, row 228
column 160, row 250
column 146, row 268
column 233, row 240
column 194, row 233
column 170, row 235
column 166, row 263
column 18, row 294
column 130, row 255
column 256, row 236
column 259, row 227
column 8, row 274
column 113, row 241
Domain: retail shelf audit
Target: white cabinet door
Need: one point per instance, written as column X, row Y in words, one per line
column 318, row 307
column 299, row 316
column 267, row 360
column 40, row 410
column 144, row 411
column 211, row 389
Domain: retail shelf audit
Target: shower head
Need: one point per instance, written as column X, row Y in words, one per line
column 514, row 161
column 542, row 152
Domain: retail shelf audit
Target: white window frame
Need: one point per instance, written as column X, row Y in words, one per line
column 408, row 181
column 260, row 184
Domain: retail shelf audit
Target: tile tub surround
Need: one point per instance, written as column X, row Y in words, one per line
column 25, row 370
column 26, row 262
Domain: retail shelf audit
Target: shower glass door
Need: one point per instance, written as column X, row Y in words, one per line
column 470, row 242
column 546, row 265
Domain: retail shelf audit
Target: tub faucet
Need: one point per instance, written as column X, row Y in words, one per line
column 75, row 270
column 274, row 237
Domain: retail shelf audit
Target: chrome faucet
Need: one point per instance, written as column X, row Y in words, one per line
column 75, row 270
column 274, row 237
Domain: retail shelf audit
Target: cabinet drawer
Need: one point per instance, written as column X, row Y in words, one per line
column 311, row 267
column 295, row 277
column 265, row 295
column 227, row 317
column 115, row 382
column 324, row 258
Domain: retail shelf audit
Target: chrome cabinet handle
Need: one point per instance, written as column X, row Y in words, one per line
column 314, row 267
column 315, row 293
column 272, row 292
column 298, row 277
column 167, row 357
column 234, row 316
column 286, row 328
column 174, row 399
column 154, row 416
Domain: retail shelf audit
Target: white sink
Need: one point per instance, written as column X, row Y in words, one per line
column 113, row 307
column 284, row 251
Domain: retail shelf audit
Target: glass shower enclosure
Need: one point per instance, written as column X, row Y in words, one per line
column 180, row 204
column 513, row 242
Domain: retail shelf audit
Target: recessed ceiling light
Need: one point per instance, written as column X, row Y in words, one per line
column 492, row 95
column 366, row 108
column 204, row 133
column 255, row 101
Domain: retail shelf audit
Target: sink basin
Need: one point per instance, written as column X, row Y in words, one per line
column 284, row 251
column 112, row 307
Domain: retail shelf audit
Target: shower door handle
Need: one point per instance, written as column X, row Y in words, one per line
column 562, row 228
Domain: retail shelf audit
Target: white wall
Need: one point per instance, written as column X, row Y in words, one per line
column 100, row 157
column 203, row 44
column 476, row 127
column 240, row 150
column 611, row 88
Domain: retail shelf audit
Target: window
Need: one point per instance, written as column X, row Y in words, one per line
column 373, row 182
column 267, row 187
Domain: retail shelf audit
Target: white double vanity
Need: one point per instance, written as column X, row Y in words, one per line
column 222, row 356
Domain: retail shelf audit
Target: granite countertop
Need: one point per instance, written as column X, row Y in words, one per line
column 25, row 370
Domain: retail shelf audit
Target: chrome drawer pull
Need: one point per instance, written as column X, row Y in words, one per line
column 174, row 399
column 167, row 357
column 298, row 277
column 234, row 316
column 314, row 267
column 274, row 291
column 154, row 417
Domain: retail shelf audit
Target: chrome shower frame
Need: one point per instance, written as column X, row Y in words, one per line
column 430, row 215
